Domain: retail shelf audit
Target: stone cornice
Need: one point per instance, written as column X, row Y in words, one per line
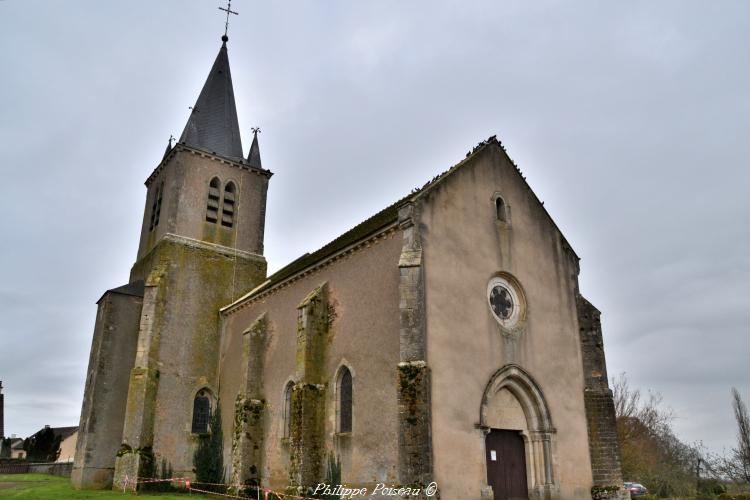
column 205, row 154
column 203, row 245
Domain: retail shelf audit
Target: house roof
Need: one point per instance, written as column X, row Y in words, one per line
column 62, row 432
column 65, row 432
column 374, row 224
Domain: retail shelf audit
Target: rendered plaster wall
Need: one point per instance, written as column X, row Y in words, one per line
column 187, row 282
column 68, row 448
column 362, row 290
column 186, row 176
column 464, row 246
column 103, row 412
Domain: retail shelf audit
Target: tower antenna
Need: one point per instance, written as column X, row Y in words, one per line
column 228, row 10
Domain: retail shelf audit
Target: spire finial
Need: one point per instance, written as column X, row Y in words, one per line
column 228, row 10
column 255, row 130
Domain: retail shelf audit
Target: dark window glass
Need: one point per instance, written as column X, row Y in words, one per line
column 288, row 409
column 502, row 302
column 500, row 207
column 345, row 402
column 201, row 414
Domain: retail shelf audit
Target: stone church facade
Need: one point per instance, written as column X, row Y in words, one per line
column 442, row 340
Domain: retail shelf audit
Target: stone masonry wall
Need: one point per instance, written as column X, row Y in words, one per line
column 600, row 409
column 187, row 282
column 250, row 408
column 415, row 442
column 307, row 439
column 112, row 355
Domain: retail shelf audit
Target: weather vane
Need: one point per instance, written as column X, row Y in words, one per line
column 228, row 10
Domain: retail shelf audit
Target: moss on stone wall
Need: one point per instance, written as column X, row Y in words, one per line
column 193, row 281
column 247, row 441
column 307, row 433
column 307, row 451
column 415, row 458
column 411, row 379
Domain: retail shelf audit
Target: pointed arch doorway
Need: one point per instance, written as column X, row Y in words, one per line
column 518, row 437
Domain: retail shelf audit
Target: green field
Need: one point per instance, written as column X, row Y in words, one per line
column 43, row 486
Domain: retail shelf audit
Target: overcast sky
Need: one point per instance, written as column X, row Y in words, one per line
column 629, row 119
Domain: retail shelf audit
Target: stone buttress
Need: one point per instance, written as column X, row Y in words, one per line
column 186, row 284
column 307, row 432
column 113, row 352
column 250, row 408
column 600, row 409
column 414, row 407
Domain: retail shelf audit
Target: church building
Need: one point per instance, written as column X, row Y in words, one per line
column 443, row 340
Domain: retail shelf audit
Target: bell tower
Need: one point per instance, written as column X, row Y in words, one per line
column 203, row 188
column 156, row 340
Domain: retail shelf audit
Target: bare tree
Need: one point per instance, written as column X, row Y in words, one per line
column 629, row 405
column 649, row 450
column 739, row 463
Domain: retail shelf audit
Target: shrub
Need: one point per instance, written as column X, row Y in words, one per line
column 208, row 458
column 333, row 476
column 159, row 471
column 604, row 492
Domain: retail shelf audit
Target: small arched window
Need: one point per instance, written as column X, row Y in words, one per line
column 345, row 400
column 500, row 210
column 288, row 409
column 156, row 207
column 212, row 206
column 201, row 412
column 227, row 208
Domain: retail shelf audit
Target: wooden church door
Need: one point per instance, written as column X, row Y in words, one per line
column 506, row 465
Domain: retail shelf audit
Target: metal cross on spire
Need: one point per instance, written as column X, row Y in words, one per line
column 228, row 10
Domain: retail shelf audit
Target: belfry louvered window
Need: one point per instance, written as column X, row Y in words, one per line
column 201, row 413
column 156, row 207
column 345, row 400
column 212, row 206
column 227, row 208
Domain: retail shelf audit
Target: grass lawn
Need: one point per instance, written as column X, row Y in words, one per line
column 44, row 486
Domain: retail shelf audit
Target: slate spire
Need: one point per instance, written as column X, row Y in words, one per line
column 253, row 157
column 213, row 124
